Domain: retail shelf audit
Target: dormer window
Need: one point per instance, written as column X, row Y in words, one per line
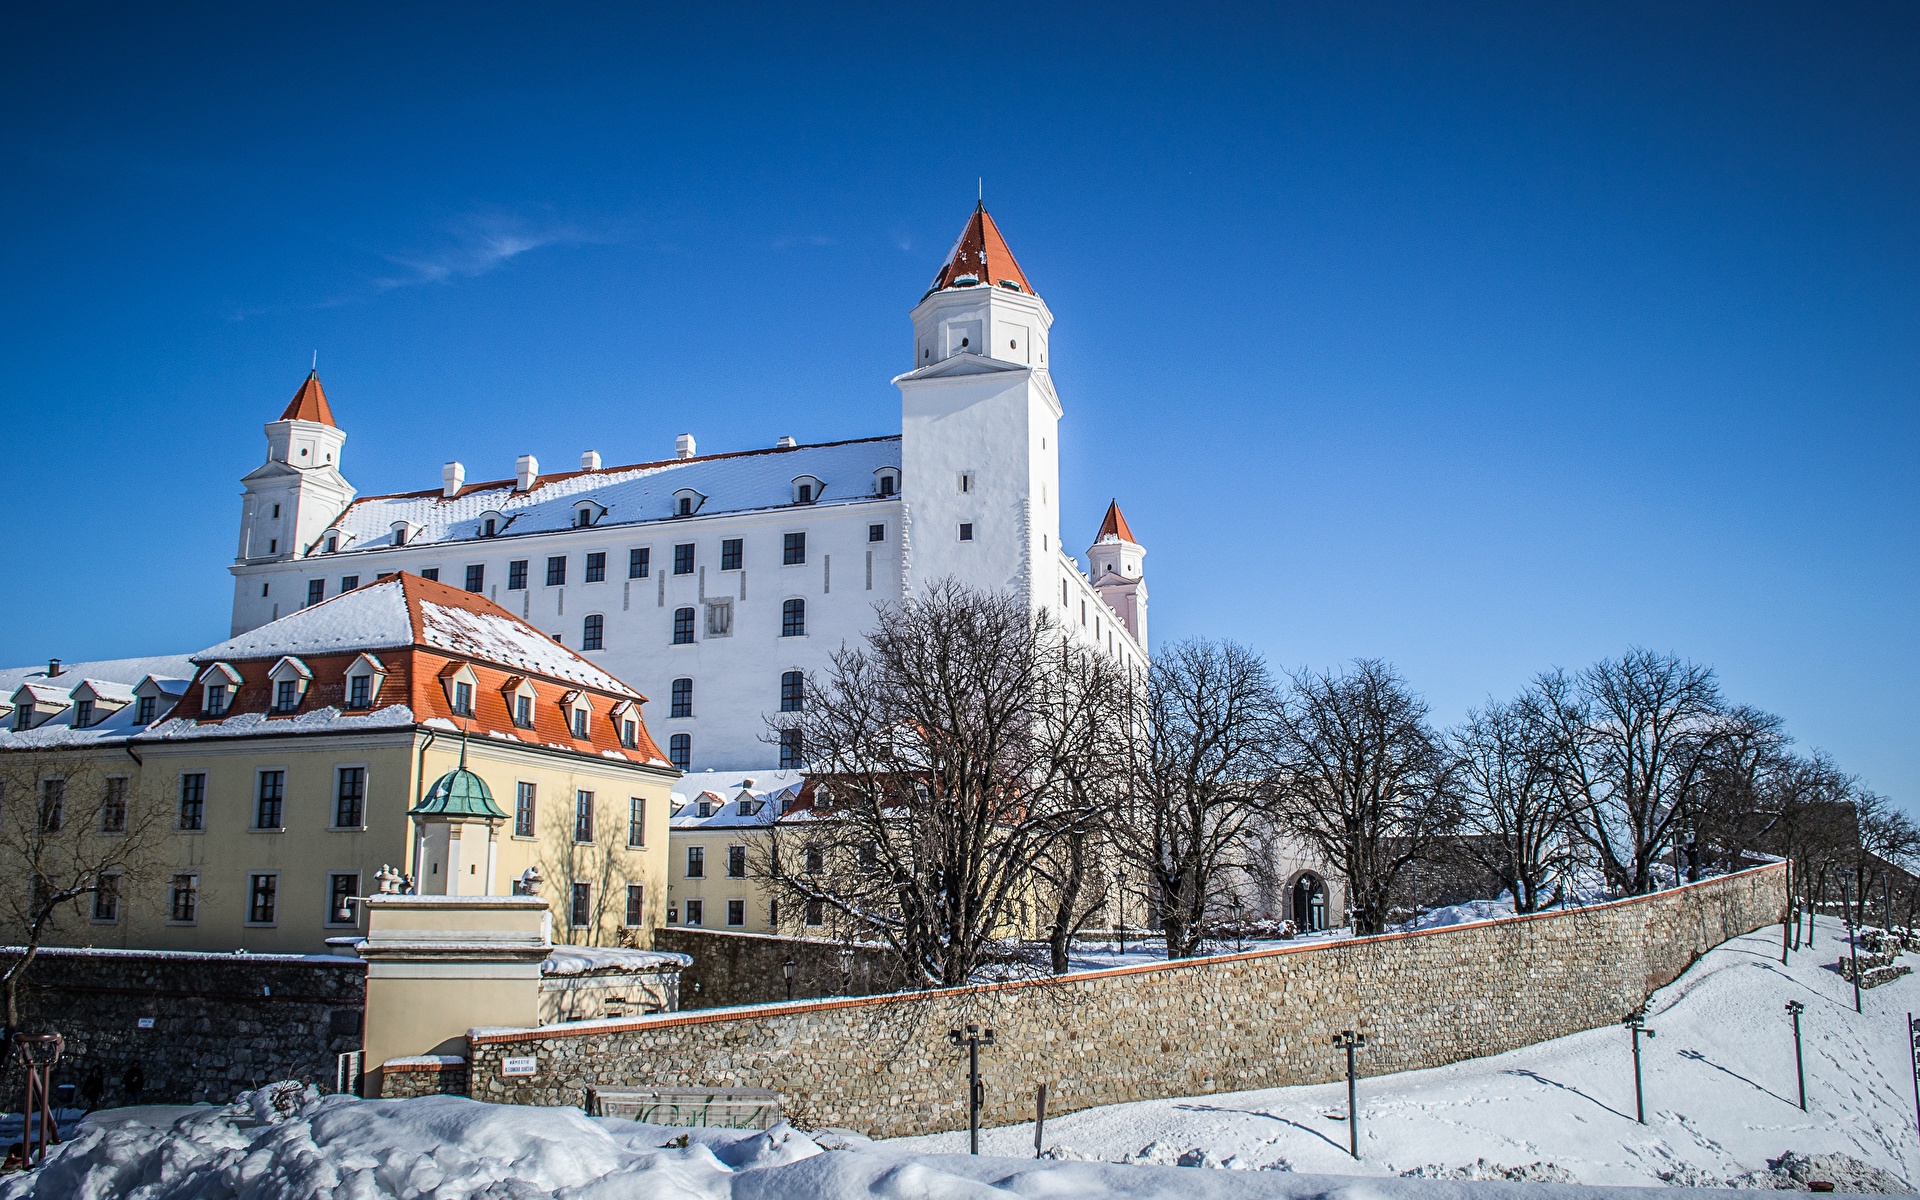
column 579, row 714
column 216, row 699
column 886, row 482
column 807, row 489
column 364, row 675
column 587, row 514
column 359, row 691
column 1012, row 285
column 627, row 722
column 523, row 711
column 405, row 532
column 687, row 502
column 286, row 695
column 491, row 523
column 462, row 699
column 461, row 684
column 143, row 715
column 82, row 713
column 580, row 718
column 290, row 678
column 333, row 542
column 218, row 686
column 705, row 806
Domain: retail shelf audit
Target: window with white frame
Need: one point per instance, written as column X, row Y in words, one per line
column 263, row 897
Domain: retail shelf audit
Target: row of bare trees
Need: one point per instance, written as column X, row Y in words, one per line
column 981, row 775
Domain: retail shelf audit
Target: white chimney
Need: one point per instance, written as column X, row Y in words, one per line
column 683, row 446
column 785, row 443
column 452, row 477
column 590, row 461
column 526, row 469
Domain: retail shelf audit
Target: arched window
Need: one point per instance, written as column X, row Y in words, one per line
column 680, row 751
column 683, row 626
column 591, row 632
column 793, row 691
column 793, row 619
column 682, row 698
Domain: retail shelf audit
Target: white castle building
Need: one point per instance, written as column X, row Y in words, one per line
column 716, row 583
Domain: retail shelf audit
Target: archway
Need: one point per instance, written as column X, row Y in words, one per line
column 1309, row 903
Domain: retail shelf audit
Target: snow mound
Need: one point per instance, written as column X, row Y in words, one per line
column 1481, row 1169
column 1798, row 1172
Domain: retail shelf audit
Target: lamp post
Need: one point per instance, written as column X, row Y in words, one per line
column 1853, row 942
column 973, row 1039
column 1636, row 1024
column 1794, row 1009
column 1350, row 1041
column 1120, row 911
column 846, row 970
column 37, row 1052
column 786, row 972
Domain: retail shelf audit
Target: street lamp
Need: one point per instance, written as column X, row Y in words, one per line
column 1636, row 1024
column 1350, row 1041
column 973, row 1039
column 1120, row 910
column 786, row 971
column 1794, row 1009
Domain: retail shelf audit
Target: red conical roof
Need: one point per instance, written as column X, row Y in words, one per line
column 1115, row 524
column 982, row 253
column 309, row 403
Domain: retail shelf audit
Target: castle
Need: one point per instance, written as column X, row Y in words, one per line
column 718, row 583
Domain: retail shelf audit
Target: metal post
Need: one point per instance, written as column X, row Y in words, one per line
column 1350, row 1041
column 1913, row 1046
column 1120, row 912
column 1636, row 1023
column 973, row 1039
column 1039, row 1119
column 1853, row 941
column 1795, row 1008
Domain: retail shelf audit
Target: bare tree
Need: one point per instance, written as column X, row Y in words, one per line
column 1201, row 756
column 953, row 752
column 1363, row 779
column 1517, row 822
column 76, row 841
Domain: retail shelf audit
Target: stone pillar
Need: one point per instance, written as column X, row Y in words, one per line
column 439, row 965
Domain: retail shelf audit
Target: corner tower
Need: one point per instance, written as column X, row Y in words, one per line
column 980, row 422
column 1116, row 562
column 292, row 497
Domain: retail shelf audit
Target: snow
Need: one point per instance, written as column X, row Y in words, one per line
column 330, row 720
column 580, row 960
column 507, row 642
column 367, row 618
column 129, row 671
column 723, row 788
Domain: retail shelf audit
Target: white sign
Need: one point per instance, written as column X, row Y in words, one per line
column 519, row 1066
column 145, row 1023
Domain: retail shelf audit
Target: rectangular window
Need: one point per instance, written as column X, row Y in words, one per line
column 581, row 911
column 636, row 821
column 53, row 805
column 629, row 733
column 262, row 893
column 583, row 816
column 730, row 554
column 477, row 577
column 342, row 887
column 462, row 699
column 966, row 531
column 286, row 695
column 790, row 750
column 193, row 801
column 216, row 699
column 793, row 550
column 82, row 714
column 106, row 899
column 736, row 862
column 682, row 698
column 593, row 632
column 432, row 573
column 773, row 913
column 360, row 691
column 349, row 582
column 269, row 807
column 683, row 627
column 316, row 590
column 639, row 562
column 113, row 807
column 683, row 559
column 736, row 912
column 143, row 715
column 793, row 691
column 523, row 711
column 680, row 751
column 876, row 533
column 597, row 567
column 696, row 862
column 815, row 860
column 580, row 723
column 523, row 810
column 183, row 900
column 517, row 575
column 636, row 904
column 556, row 570
column 350, row 798
column 816, row 912
column 696, row 912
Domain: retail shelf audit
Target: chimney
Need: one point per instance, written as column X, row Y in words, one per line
column 452, row 477
column 785, row 443
column 590, row 461
column 526, row 469
column 53, row 667
column 683, row 446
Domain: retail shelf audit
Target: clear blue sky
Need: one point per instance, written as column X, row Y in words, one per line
column 1481, row 338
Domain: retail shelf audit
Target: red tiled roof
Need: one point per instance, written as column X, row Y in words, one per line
column 309, row 403
column 982, row 253
column 1115, row 524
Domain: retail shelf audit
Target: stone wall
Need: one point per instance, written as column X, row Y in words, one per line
column 745, row 968
column 882, row 1064
column 220, row 1023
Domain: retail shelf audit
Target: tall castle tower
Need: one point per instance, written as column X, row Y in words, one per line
column 980, row 446
column 1116, row 561
column 293, row 497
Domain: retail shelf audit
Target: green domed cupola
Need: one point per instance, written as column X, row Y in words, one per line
column 460, row 793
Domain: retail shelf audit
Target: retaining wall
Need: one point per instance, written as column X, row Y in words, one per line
column 1264, row 1019
column 745, row 968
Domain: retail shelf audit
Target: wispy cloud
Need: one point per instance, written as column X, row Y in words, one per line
column 476, row 243
column 814, row 239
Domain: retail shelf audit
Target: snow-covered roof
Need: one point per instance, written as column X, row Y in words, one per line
column 107, row 689
column 129, row 671
column 584, row 960
column 724, row 788
column 112, row 679
column 320, row 720
column 373, row 617
column 738, row 482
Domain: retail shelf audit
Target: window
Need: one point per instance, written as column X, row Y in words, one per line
column 793, row 618
column 886, row 485
column 790, row 759
column 53, row 805
column 523, row 810
column 477, row 577
column 815, row 860
column 683, row 627
column 462, row 698
column 683, row 559
column 803, row 493
column 286, row 695
column 793, row 691
column 719, row 618
column 592, row 631
column 597, row 567
column 966, row 482
column 144, row 712
column 216, row 699
column 113, row 806
column 629, row 733
column 580, row 912
column 682, row 698
column 816, row 912
column 696, row 862
column 639, row 562
column 490, row 527
column 686, row 507
column 517, row 575
column 523, row 711
column 636, row 821
column 342, row 887
column 583, row 816
column 636, row 904
column 876, row 533
column 316, row 590
column 333, row 543
column 794, row 551
column 580, row 723
column 432, row 573
column 966, row 531
column 737, row 909
column 270, row 805
column 680, row 751
column 183, row 901
column 193, row 801
column 349, row 582
column 82, row 713
column 773, row 913
column 350, row 798
column 262, row 892
column 730, row 554
column 696, row 912
column 360, row 691
column 106, row 899
column 736, row 862
column 556, row 570
column 582, row 517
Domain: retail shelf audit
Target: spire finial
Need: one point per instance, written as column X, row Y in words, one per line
column 315, row 368
column 980, row 182
column 463, row 745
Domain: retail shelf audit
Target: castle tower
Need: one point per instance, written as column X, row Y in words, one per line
column 292, row 497
column 1116, row 560
column 980, row 423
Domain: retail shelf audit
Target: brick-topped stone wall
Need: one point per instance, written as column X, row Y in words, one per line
column 882, row 1064
column 746, row 968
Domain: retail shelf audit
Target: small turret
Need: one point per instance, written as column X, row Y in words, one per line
column 1115, row 561
column 292, row 498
